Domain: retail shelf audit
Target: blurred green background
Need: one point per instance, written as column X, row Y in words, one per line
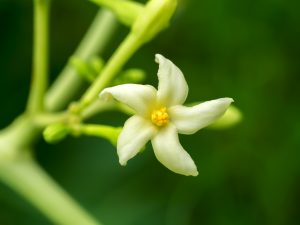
column 250, row 174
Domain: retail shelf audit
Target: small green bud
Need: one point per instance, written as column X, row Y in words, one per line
column 155, row 17
column 126, row 11
column 130, row 76
column 83, row 69
column 55, row 133
column 134, row 75
column 230, row 118
column 97, row 64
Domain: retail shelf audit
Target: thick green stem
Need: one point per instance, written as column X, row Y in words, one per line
column 29, row 180
column 40, row 57
column 114, row 65
column 19, row 171
column 22, row 174
column 68, row 83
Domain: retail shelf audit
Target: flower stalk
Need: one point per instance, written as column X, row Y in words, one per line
column 114, row 65
column 154, row 18
column 108, row 132
column 39, row 81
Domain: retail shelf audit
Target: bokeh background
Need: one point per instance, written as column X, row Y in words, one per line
column 249, row 174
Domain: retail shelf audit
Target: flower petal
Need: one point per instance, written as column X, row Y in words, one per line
column 136, row 133
column 170, row 153
column 139, row 97
column 172, row 87
column 189, row 120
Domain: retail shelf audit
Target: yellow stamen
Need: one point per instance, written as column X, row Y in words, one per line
column 160, row 117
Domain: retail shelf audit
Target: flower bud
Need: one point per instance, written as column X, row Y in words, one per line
column 133, row 75
column 83, row 69
column 55, row 132
column 97, row 64
column 155, row 17
column 126, row 11
column 230, row 118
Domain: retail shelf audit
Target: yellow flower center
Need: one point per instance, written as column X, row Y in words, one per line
column 160, row 117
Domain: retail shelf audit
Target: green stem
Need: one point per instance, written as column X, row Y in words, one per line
column 40, row 57
column 68, row 83
column 43, row 120
column 101, row 106
column 19, row 171
column 96, row 108
column 30, row 181
column 108, row 132
column 130, row 44
column 23, row 174
column 154, row 17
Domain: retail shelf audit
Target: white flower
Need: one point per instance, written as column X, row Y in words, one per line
column 160, row 116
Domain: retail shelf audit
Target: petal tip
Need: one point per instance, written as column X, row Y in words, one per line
column 192, row 172
column 195, row 174
column 122, row 162
column 123, row 159
column 158, row 58
column 230, row 99
column 105, row 95
column 227, row 100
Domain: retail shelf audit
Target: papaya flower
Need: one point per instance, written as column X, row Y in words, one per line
column 161, row 115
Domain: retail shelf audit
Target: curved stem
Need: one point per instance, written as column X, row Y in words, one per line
column 68, row 83
column 29, row 180
column 40, row 57
column 130, row 44
column 21, row 173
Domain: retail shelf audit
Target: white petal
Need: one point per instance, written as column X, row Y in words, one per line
column 136, row 133
column 189, row 120
column 139, row 97
column 170, row 153
column 172, row 87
